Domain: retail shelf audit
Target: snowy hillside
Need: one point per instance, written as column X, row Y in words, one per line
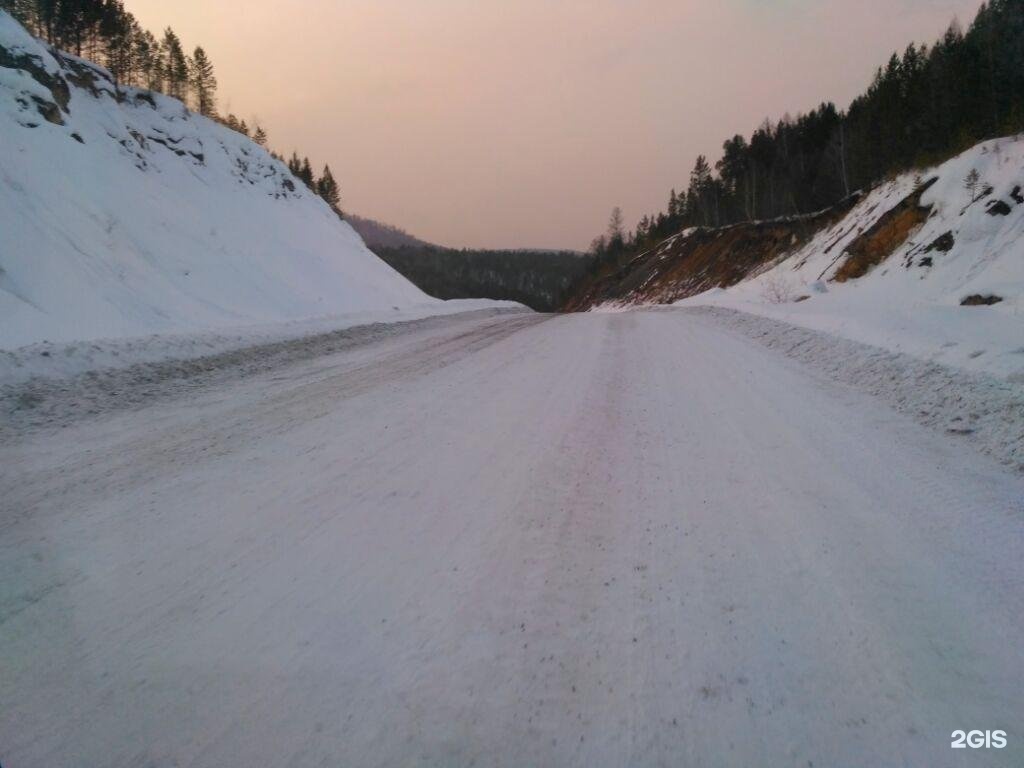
column 914, row 265
column 124, row 214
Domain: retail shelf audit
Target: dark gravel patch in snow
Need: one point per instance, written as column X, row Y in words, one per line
column 984, row 411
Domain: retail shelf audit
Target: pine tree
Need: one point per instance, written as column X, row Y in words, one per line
column 306, row 174
column 616, row 233
column 116, row 40
column 147, row 49
column 72, row 23
column 327, row 188
column 701, row 173
column 700, row 188
column 260, row 136
column 175, row 66
column 971, row 183
column 643, row 228
column 204, row 83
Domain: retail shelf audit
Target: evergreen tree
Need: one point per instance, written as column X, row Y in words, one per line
column 733, row 170
column 643, row 228
column 175, row 66
column 971, row 183
column 147, row 50
column 72, row 23
column 700, row 188
column 260, row 136
column 615, row 225
column 204, row 83
column 327, row 188
column 615, row 239
column 111, row 40
column 306, row 174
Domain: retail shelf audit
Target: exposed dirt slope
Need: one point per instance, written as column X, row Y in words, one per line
column 696, row 260
column 890, row 232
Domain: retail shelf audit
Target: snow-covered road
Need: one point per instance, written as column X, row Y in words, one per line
column 522, row 540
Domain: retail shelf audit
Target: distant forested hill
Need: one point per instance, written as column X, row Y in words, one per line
column 377, row 234
column 540, row 279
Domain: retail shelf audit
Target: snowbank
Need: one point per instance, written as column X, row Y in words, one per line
column 64, row 360
column 970, row 244
column 983, row 410
column 124, row 215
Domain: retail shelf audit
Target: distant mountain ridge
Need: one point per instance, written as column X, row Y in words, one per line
column 539, row 278
column 378, row 234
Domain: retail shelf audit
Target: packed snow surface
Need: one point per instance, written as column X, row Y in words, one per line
column 134, row 216
column 972, row 243
column 583, row 540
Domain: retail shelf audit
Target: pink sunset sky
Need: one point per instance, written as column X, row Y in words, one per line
column 521, row 123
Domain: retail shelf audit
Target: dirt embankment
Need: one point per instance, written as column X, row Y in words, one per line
column 697, row 260
column 888, row 233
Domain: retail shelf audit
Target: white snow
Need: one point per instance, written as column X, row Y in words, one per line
column 983, row 411
column 589, row 540
column 68, row 359
column 916, row 309
column 161, row 222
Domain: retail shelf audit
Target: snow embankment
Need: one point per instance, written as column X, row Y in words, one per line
column 58, row 389
column 124, row 215
column 66, row 360
column 967, row 246
column 983, row 410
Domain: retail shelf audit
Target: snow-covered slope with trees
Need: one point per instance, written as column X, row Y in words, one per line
column 929, row 263
column 123, row 214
